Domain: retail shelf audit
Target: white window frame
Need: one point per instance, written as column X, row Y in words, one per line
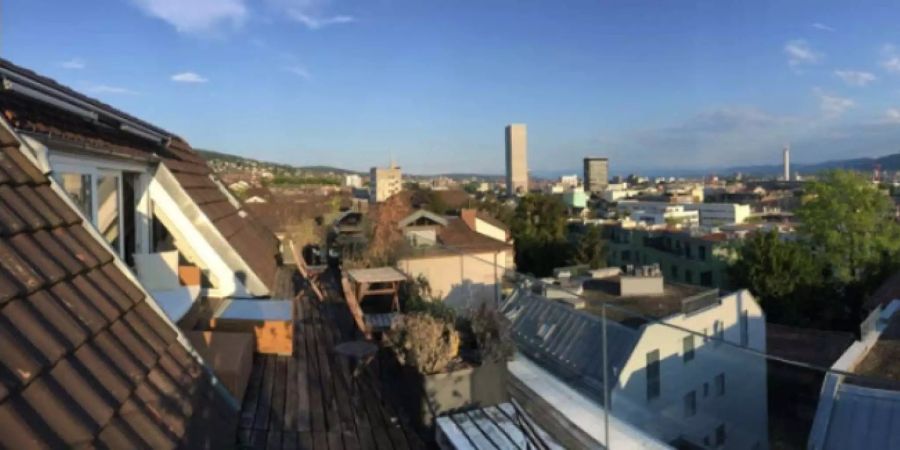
column 62, row 162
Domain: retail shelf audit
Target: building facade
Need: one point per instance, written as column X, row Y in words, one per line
column 384, row 182
column 683, row 378
column 516, row 159
column 596, row 174
column 716, row 214
column 699, row 260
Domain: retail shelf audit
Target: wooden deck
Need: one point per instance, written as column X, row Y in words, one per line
column 311, row 401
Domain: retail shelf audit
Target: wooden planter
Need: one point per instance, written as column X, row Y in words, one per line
column 464, row 388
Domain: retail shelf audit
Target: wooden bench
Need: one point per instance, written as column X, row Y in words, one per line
column 310, row 274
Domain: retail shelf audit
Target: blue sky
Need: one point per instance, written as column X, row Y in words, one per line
column 652, row 85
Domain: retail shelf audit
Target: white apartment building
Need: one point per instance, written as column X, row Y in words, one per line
column 569, row 181
column 715, row 214
column 678, row 367
column 353, row 180
column 384, row 182
column 659, row 213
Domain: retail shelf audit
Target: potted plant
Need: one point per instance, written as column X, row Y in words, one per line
column 454, row 363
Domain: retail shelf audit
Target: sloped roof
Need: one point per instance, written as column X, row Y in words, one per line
column 84, row 358
column 566, row 341
column 888, row 291
column 863, row 418
column 252, row 241
column 420, row 214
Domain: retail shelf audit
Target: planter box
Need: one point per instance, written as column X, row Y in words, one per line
column 464, row 388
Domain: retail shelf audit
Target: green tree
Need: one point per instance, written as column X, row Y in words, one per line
column 781, row 274
column 538, row 226
column 850, row 223
column 591, row 248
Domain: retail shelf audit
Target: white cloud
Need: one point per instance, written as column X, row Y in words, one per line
column 300, row 71
column 800, row 53
column 315, row 23
column 310, row 13
column 855, row 77
column 833, row 106
column 891, row 60
column 822, row 27
column 74, row 64
column 196, row 16
column 107, row 89
column 188, row 77
column 892, row 115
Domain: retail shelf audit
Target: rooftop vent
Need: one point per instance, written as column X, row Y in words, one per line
column 641, row 280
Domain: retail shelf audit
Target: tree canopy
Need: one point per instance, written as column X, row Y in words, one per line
column 850, row 222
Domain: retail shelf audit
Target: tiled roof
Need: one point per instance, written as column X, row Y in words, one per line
column 84, row 358
column 252, row 241
column 888, row 291
column 565, row 341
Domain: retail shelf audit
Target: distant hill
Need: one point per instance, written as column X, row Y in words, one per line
column 214, row 156
column 887, row 162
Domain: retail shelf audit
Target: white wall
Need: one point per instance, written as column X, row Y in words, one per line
column 462, row 281
column 742, row 408
column 489, row 230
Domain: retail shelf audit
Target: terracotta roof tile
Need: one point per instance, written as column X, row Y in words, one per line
column 29, row 250
column 90, row 395
column 78, row 306
column 55, row 250
column 101, row 368
column 18, row 271
column 32, row 218
column 58, row 318
column 37, row 331
column 30, row 195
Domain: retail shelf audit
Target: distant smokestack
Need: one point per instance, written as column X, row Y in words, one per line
column 787, row 163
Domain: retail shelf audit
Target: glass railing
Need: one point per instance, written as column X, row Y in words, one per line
column 714, row 375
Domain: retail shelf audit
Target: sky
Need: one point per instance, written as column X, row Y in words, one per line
column 652, row 85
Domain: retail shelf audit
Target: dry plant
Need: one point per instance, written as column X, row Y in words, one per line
column 423, row 342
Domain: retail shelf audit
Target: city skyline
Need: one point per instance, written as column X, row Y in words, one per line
column 738, row 81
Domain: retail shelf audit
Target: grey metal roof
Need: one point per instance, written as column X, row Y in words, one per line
column 568, row 342
column 864, row 418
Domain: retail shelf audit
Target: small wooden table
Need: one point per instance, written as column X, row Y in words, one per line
column 363, row 279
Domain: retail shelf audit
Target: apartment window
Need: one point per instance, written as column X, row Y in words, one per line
column 690, row 404
column 706, row 278
column 675, row 272
column 688, row 344
column 687, row 251
column 701, row 252
column 720, row 435
column 705, row 390
column 745, row 332
column 718, row 332
column 653, row 375
column 108, row 209
column 626, row 255
column 78, row 186
column 688, row 276
column 720, row 385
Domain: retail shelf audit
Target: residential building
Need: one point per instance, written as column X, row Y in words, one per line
column 569, row 181
column 143, row 188
column 860, row 397
column 678, row 369
column 659, row 213
column 700, row 259
column 715, row 214
column 353, row 180
column 575, row 199
column 516, row 159
column 100, row 212
column 384, row 182
column 463, row 258
column 596, row 175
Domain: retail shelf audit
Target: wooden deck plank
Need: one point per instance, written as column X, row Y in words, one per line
column 264, row 405
column 251, row 396
column 279, row 392
column 273, row 441
column 290, row 440
column 304, row 411
column 289, row 422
